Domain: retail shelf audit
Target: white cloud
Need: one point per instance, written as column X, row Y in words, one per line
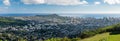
column 55, row 2
column 97, row 3
column 65, row 2
column 6, row 2
column 33, row 1
column 112, row 1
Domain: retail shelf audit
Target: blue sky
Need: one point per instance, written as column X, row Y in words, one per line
column 60, row 6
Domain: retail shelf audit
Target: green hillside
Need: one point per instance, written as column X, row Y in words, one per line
column 9, row 21
column 98, row 37
column 6, row 20
column 114, row 37
column 113, row 34
column 103, row 37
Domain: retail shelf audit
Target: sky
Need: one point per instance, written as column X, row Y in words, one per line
column 60, row 6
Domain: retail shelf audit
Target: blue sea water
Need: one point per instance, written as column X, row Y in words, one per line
column 17, row 14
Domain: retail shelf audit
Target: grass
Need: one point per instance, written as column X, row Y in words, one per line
column 114, row 37
column 99, row 37
column 103, row 37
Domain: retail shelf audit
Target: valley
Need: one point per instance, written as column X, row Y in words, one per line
column 52, row 27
